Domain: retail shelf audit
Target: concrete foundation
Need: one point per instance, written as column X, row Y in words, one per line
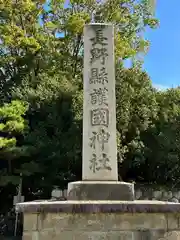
column 97, row 220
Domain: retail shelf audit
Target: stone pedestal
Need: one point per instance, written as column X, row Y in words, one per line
column 100, row 190
column 101, row 220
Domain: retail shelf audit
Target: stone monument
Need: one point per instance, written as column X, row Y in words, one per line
column 99, row 207
column 99, row 163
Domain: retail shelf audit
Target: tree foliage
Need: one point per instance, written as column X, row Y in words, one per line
column 136, row 111
column 161, row 148
column 13, row 127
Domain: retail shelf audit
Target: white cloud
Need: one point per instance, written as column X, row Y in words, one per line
column 161, row 87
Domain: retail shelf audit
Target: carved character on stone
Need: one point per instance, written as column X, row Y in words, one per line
column 99, row 164
column 101, row 137
column 93, row 163
column 99, row 96
column 98, row 53
column 98, row 76
column 98, row 50
column 104, row 163
column 100, row 117
column 99, row 38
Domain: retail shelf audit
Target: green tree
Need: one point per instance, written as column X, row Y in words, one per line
column 55, row 131
column 136, row 111
column 13, row 127
column 23, row 44
column 161, row 150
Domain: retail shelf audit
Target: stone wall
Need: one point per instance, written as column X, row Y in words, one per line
column 99, row 226
column 148, row 193
column 157, row 193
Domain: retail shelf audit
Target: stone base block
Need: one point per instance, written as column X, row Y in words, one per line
column 100, row 190
column 100, row 220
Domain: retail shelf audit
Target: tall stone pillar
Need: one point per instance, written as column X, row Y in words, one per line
column 99, row 163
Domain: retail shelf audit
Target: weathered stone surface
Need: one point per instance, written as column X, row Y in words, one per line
column 27, row 235
column 77, row 235
column 105, row 222
column 173, row 221
column 99, row 110
column 150, row 193
column 99, row 206
column 100, row 235
column 97, row 190
column 55, row 221
column 31, row 222
column 156, row 235
column 171, row 235
column 122, row 226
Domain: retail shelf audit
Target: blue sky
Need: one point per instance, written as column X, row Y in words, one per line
column 163, row 59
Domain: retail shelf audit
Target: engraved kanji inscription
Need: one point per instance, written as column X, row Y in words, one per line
column 99, row 96
column 99, row 164
column 100, row 117
column 99, row 53
column 103, row 76
column 104, row 163
column 101, row 137
column 93, row 163
column 94, row 76
column 98, row 76
column 99, row 50
column 99, row 38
